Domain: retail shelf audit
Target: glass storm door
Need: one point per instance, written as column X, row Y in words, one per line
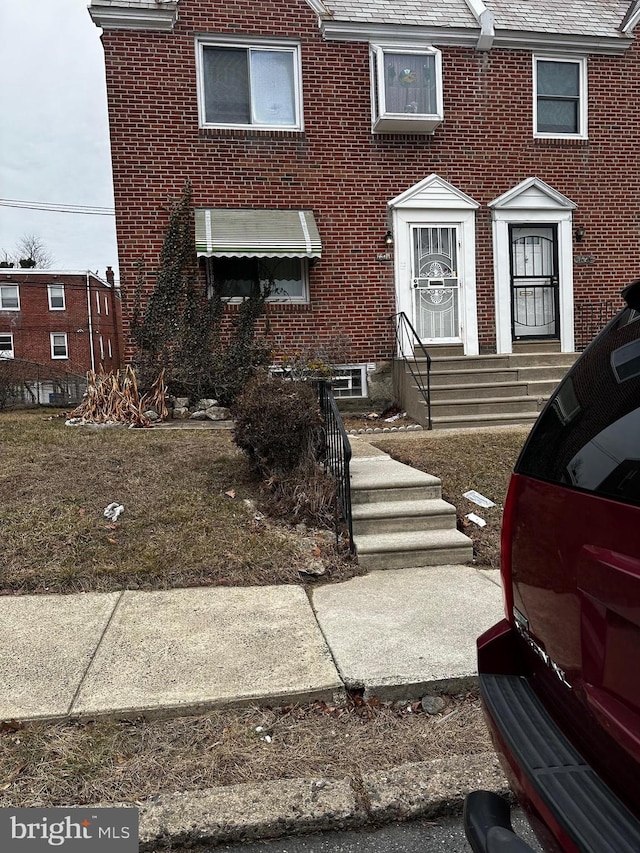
column 436, row 283
column 534, row 282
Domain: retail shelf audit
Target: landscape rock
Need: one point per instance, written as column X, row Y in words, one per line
column 151, row 415
column 206, row 404
column 181, row 413
column 315, row 568
column 218, row 413
column 181, row 402
column 199, row 415
column 433, row 704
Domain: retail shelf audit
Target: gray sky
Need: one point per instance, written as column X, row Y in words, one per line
column 54, row 139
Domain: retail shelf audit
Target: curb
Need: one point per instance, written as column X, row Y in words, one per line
column 269, row 810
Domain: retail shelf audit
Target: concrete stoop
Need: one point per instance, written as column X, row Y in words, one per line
column 400, row 519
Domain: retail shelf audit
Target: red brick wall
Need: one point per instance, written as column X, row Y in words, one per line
column 346, row 175
column 32, row 324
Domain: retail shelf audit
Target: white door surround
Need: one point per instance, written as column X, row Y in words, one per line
column 533, row 203
column 435, row 203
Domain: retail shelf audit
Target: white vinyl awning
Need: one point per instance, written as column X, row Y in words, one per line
column 233, row 233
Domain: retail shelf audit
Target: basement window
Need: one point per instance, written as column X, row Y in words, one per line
column 6, row 346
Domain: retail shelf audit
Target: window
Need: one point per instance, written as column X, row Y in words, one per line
column 588, row 437
column 56, row 297
column 250, row 85
column 349, row 381
column 238, row 278
column 101, row 345
column 97, row 301
column 6, row 346
column 406, row 89
column 109, row 350
column 59, row 347
column 560, row 97
column 106, row 306
column 9, row 297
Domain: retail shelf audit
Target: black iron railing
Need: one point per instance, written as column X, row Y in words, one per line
column 337, row 456
column 591, row 317
column 419, row 366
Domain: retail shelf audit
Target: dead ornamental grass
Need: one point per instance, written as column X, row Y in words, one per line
column 185, row 521
column 481, row 460
column 47, row 764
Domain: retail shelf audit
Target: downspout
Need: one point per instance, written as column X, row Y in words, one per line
column 487, row 24
column 90, row 324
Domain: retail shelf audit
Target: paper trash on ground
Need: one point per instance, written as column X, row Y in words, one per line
column 476, row 519
column 477, row 498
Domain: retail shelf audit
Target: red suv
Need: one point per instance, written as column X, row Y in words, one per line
column 560, row 675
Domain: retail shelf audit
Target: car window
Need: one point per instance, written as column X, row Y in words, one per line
column 588, row 436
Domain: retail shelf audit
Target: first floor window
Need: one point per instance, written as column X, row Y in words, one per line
column 59, row 347
column 560, row 104
column 282, row 279
column 6, row 346
column 9, row 297
column 250, row 85
column 56, row 297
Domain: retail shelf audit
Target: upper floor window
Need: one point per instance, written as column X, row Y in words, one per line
column 56, row 297
column 249, row 85
column 6, row 346
column 9, row 297
column 59, row 347
column 560, row 97
column 97, row 301
column 406, row 88
column 237, row 278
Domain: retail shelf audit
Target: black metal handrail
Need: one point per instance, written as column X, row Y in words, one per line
column 337, row 454
column 402, row 327
column 591, row 317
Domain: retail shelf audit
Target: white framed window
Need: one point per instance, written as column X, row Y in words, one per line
column 9, row 297
column 406, row 90
column 237, row 278
column 109, row 350
column 255, row 85
column 6, row 345
column 101, row 345
column 59, row 347
column 55, row 293
column 349, row 380
column 559, row 97
column 97, row 301
column 106, row 306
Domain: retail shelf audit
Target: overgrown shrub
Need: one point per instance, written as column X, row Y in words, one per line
column 278, row 425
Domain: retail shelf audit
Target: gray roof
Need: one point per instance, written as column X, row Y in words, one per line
column 570, row 17
column 573, row 17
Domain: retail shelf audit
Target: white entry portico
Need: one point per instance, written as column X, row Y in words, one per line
column 435, row 270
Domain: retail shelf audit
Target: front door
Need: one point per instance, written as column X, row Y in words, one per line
column 435, row 279
column 534, row 282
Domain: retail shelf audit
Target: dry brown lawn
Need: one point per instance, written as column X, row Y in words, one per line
column 49, row 764
column 192, row 514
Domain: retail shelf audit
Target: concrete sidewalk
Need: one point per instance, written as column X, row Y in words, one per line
column 397, row 634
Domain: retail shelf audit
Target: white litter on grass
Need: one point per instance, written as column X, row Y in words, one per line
column 476, row 519
column 114, row 511
column 477, row 498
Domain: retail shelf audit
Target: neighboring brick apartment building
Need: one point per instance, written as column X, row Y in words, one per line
column 473, row 164
column 60, row 322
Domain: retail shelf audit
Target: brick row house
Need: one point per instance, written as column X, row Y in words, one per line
column 473, row 165
column 56, row 325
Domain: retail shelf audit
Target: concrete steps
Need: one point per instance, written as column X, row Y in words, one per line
column 400, row 519
column 487, row 390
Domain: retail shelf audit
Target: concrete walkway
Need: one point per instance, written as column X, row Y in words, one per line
column 396, row 634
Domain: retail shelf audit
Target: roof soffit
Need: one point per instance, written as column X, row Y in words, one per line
column 158, row 15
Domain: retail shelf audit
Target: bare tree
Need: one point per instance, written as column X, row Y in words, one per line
column 29, row 251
